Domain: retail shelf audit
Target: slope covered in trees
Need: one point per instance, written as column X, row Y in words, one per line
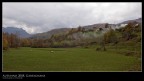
column 97, row 34
column 81, row 37
column 77, row 37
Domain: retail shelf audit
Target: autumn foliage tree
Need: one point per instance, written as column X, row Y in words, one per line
column 10, row 41
column 5, row 42
column 14, row 41
column 110, row 36
column 129, row 31
column 25, row 42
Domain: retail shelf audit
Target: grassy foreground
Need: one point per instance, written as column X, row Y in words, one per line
column 66, row 59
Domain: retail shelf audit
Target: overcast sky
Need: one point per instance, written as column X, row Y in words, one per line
column 42, row 17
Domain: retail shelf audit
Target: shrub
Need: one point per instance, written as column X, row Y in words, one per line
column 98, row 49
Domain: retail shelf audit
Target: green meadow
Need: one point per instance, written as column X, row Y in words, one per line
column 69, row 59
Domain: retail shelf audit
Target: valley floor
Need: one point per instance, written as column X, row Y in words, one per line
column 68, row 59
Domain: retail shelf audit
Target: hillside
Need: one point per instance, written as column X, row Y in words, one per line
column 89, row 35
column 48, row 34
column 139, row 20
column 94, row 27
column 21, row 32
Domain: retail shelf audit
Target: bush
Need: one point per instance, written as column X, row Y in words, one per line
column 86, row 47
column 98, row 49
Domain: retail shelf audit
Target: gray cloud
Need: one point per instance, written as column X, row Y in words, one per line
column 42, row 17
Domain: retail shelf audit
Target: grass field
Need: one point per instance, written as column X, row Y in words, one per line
column 67, row 59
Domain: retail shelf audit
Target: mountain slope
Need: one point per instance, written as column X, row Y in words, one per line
column 93, row 27
column 50, row 33
column 21, row 32
column 139, row 20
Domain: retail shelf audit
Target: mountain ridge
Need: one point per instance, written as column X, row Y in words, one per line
column 48, row 34
column 20, row 31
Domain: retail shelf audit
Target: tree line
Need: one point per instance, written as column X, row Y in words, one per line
column 13, row 41
column 128, row 32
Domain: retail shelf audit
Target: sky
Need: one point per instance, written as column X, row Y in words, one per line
column 42, row 17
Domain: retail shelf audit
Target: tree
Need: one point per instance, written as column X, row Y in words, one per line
column 17, row 39
column 129, row 31
column 5, row 44
column 110, row 36
column 25, row 42
column 13, row 41
column 10, row 40
column 101, row 42
column 106, row 25
column 5, row 41
column 79, row 28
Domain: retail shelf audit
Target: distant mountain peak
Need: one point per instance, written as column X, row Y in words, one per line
column 21, row 32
